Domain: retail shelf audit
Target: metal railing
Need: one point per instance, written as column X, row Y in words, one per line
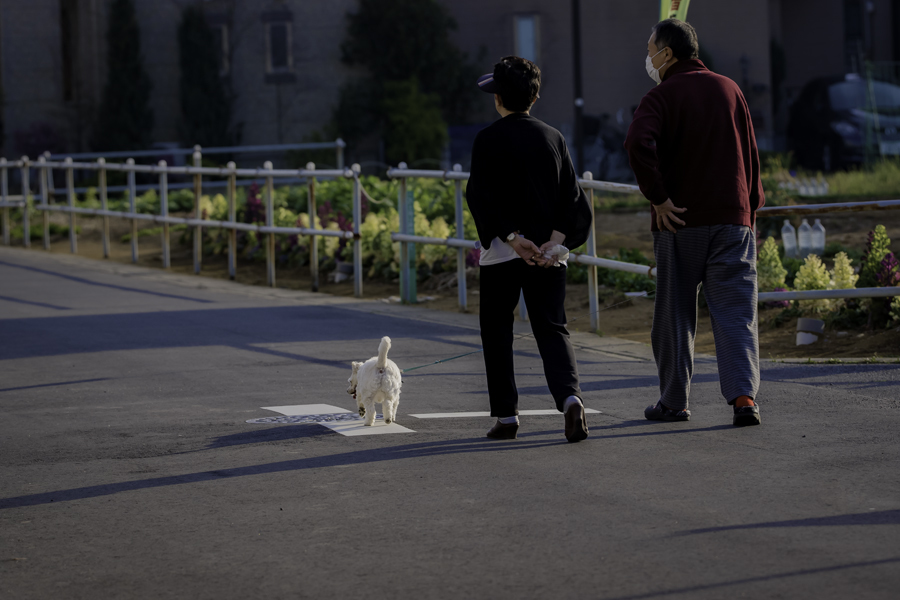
column 404, row 237
column 198, row 223
column 338, row 145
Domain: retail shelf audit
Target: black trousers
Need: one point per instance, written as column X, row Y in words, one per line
column 545, row 295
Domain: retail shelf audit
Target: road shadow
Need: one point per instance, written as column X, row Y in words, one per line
column 405, row 451
column 748, row 580
column 881, row 517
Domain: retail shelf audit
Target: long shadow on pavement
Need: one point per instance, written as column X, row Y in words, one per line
column 417, row 450
column 881, row 517
column 760, row 579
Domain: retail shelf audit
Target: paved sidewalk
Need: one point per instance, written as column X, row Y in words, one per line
column 128, row 468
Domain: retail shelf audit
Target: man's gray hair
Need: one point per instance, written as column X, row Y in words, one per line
column 680, row 36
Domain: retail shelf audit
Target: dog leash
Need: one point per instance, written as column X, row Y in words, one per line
column 525, row 335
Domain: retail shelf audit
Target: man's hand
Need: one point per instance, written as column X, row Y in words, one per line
column 526, row 250
column 665, row 215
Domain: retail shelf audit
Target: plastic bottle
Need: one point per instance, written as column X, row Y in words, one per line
column 804, row 237
column 789, row 239
column 818, row 238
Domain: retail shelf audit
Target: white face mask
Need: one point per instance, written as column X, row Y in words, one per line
column 652, row 71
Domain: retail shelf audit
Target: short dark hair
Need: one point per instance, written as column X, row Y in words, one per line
column 679, row 36
column 520, row 82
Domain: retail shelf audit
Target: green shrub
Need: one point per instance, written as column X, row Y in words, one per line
column 770, row 271
column 833, row 248
column 877, row 247
column 895, row 311
column 792, row 265
column 843, row 277
column 813, row 276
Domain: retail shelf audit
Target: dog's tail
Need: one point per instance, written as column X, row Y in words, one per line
column 383, row 348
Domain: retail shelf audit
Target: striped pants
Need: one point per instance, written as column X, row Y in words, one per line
column 723, row 259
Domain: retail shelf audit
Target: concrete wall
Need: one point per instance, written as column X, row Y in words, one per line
column 614, row 40
column 289, row 109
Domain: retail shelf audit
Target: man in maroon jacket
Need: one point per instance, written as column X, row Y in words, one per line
column 693, row 151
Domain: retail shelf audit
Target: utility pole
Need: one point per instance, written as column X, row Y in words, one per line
column 579, row 100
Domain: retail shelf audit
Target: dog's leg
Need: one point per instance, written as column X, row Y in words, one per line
column 361, row 408
column 390, row 411
column 370, row 412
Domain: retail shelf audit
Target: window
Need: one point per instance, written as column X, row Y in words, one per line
column 220, row 35
column 278, row 41
column 527, row 37
column 279, row 46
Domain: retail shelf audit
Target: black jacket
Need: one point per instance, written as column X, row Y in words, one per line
column 522, row 179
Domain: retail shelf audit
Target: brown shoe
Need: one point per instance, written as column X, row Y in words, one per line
column 576, row 425
column 503, row 431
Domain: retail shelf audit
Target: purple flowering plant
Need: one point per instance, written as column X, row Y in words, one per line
column 888, row 274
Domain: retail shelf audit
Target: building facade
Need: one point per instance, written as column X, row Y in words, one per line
column 282, row 58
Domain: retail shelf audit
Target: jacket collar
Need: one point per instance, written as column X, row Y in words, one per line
column 685, row 66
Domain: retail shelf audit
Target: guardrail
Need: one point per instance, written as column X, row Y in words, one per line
column 310, row 174
column 230, row 172
column 338, row 145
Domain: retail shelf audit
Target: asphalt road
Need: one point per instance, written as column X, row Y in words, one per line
column 128, row 470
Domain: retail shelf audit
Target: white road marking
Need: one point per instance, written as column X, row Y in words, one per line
column 544, row 411
column 349, row 427
column 353, row 428
column 306, row 409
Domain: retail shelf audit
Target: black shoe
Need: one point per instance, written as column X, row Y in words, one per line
column 576, row 424
column 746, row 415
column 660, row 413
column 503, row 431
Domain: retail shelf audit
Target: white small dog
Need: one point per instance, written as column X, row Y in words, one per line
column 376, row 381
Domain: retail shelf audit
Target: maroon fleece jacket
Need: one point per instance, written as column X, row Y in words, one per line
column 692, row 140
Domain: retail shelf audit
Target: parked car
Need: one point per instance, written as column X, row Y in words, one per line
column 835, row 120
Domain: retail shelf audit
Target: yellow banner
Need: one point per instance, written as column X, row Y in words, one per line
column 673, row 9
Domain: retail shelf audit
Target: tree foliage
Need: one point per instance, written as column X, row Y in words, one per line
column 206, row 100
column 405, row 50
column 125, row 121
column 406, row 108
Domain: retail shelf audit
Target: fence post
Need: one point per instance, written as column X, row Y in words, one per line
column 339, row 146
column 132, row 208
column 45, row 200
column 270, row 222
column 4, row 198
column 104, row 203
column 313, row 244
column 404, row 247
column 460, row 252
column 51, row 186
column 26, row 192
column 164, row 211
column 591, row 250
column 70, row 200
column 357, row 242
column 232, row 218
column 198, row 212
